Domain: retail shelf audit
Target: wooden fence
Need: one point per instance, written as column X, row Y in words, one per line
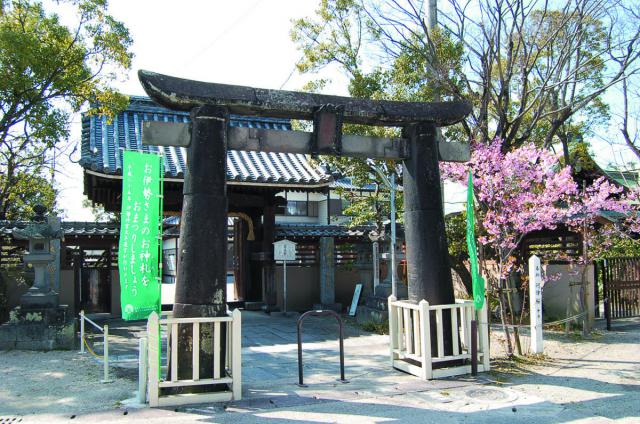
column 621, row 287
column 228, row 353
column 410, row 333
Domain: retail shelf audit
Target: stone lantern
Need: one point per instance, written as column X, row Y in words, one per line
column 40, row 233
column 39, row 323
column 383, row 237
column 375, row 308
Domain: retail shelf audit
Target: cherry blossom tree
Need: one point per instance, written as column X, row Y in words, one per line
column 520, row 191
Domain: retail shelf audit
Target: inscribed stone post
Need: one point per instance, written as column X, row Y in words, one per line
column 327, row 271
column 535, row 303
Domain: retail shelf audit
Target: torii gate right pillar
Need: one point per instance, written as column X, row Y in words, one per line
column 428, row 272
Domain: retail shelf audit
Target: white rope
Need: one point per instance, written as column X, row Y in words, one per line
column 548, row 324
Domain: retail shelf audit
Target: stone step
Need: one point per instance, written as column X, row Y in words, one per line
column 366, row 314
column 384, row 290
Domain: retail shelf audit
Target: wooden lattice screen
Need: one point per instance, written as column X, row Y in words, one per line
column 307, row 254
column 345, row 254
column 555, row 247
column 621, row 287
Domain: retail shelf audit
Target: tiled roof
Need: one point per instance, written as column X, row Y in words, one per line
column 104, row 141
column 346, row 183
column 70, row 228
column 284, row 230
column 75, row 228
column 314, row 231
column 79, row 229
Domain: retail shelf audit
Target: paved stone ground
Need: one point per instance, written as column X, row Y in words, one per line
column 269, row 354
column 592, row 380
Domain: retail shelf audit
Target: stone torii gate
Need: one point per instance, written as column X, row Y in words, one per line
column 201, row 287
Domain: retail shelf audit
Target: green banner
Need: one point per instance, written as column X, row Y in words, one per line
column 139, row 260
column 478, row 281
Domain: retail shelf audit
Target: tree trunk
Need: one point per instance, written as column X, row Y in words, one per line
column 463, row 272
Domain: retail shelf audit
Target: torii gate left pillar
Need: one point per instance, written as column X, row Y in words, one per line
column 203, row 234
column 203, row 262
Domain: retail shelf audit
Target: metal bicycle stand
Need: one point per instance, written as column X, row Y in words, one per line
column 299, row 326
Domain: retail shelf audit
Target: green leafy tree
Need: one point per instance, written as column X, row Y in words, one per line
column 27, row 191
column 534, row 71
column 48, row 71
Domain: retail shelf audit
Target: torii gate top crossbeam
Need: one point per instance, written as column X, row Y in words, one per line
column 181, row 94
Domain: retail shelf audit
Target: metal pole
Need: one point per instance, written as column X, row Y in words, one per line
column 106, row 355
column 376, row 265
column 342, row 379
column 607, row 313
column 300, row 378
column 391, row 185
column 299, row 330
column 432, row 14
column 142, row 370
column 284, row 271
column 474, row 347
column 394, row 283
column 82, row 331
column 606, row 293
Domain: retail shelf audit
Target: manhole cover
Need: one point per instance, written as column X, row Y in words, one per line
column 485, row 393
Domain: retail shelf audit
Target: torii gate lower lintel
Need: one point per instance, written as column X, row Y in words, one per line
column 202, row 253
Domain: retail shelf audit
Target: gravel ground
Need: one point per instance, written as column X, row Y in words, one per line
column 57, row 382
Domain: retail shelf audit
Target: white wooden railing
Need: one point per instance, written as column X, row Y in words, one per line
column 411, row 348
column 230, row 374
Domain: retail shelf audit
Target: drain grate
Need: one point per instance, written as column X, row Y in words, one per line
column 10, row 420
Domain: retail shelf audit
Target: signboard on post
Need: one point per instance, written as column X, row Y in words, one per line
column 140, row 245
column 284, row 250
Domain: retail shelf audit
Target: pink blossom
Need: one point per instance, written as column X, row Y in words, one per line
column 527, row 189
